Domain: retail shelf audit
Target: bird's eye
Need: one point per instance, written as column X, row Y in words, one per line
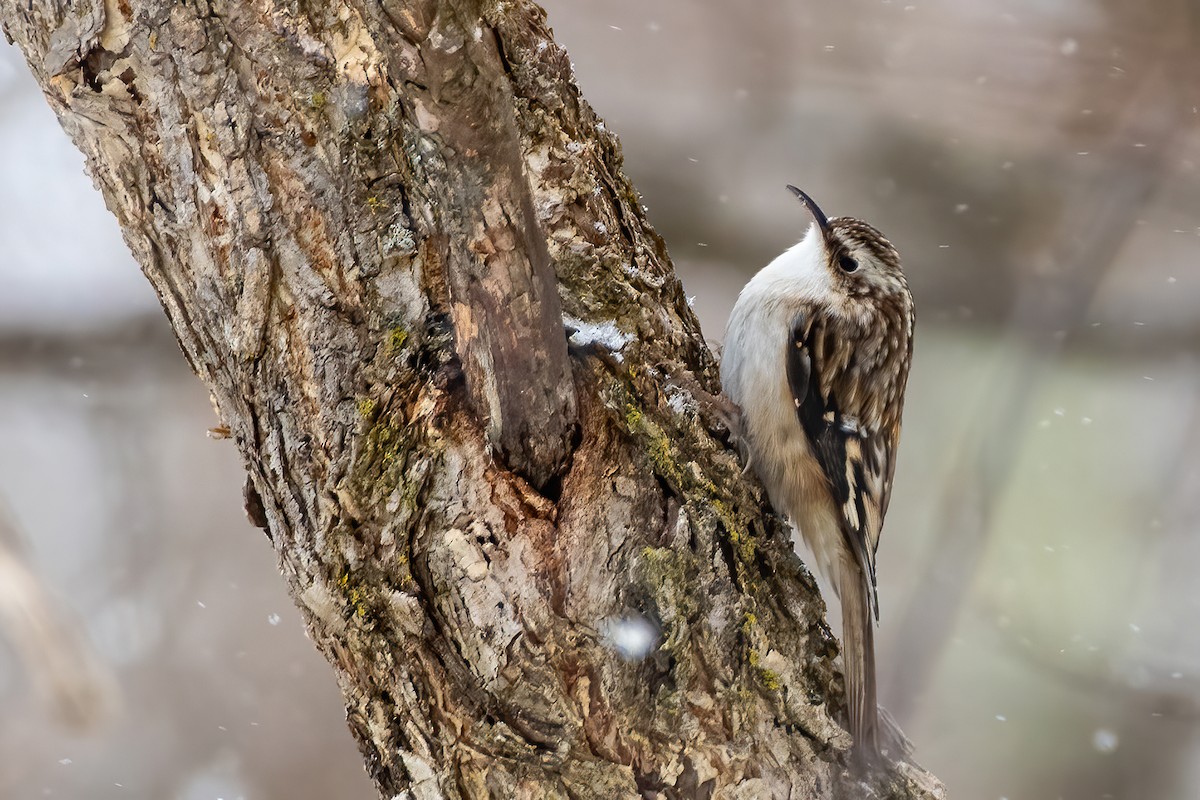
column 847, row 264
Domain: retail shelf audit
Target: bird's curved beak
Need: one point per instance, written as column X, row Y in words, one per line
column 818, row 215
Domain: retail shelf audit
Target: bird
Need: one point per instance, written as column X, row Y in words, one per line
column 816, row 356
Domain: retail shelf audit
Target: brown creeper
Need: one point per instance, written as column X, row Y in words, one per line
column 816, row 355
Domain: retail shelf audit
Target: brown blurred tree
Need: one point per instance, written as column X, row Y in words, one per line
column 374, row 226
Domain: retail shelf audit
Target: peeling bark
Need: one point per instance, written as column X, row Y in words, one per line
column 366, row 222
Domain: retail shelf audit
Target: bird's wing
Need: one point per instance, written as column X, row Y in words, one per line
column 857, row 453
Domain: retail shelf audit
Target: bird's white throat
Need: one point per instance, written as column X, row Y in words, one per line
column 799, row 273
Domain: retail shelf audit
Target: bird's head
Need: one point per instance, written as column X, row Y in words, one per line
column 859, row 263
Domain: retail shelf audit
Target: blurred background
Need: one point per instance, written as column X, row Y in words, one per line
column 1036, row 165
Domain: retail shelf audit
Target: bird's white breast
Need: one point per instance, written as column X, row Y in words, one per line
column 754, row 375
column 754, row 364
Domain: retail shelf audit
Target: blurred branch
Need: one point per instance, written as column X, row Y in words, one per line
column 1161, row 693
column 57, row 656
column 1052, row 302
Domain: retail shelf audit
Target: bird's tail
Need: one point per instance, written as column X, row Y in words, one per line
column 858, row 657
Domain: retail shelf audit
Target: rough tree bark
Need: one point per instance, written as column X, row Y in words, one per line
column 367, row 221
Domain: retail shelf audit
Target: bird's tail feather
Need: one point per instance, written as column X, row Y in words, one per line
column 858, row 656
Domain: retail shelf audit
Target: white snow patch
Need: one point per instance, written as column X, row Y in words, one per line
column 680, row 400
column 605, row 334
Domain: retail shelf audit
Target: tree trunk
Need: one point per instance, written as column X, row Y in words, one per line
column 367, row 223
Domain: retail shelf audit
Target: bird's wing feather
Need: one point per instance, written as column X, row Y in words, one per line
column 857, row 454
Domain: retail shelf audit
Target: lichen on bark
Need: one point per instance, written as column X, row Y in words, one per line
column 366, row 222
